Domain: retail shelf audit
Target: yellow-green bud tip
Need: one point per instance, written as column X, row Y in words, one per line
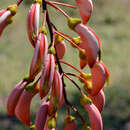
column 43, row 30
column 85, row 100
column 52, row 50
column 9, row 20
column 86, row 127
column 86, row 76
column 32, row 127
column 38, row 1
column 77, row 40
column 69, row 119
column 51, row 123
column 13, row 9
column 72, row 22
column 58, row 39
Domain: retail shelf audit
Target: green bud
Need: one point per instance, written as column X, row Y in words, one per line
column 43, row 30
column 52, row 50
column 85, row 100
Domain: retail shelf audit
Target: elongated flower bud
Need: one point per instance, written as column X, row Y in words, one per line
column 85, row 8
column 47, row 76
column 56, row 94
column 93, row 113
column 70, row 123
column 41, row 116
column 94, row 117
column 40, row 53
column 22, row 110
column 6, row 17
column 33, row 22
column 98, row 78
column 98, row 100
column 14, row 97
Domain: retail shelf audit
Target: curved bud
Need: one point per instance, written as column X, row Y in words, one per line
column 98, row 78
column 33, row 22
column 85, row 8
column 56, row 94
column 98, row 100
column 41, row 116
column 89, row 43
column 4, row 16
column 47, row 76
column 94, row 117
column 70, row 123
column 40, row 53
column 60, row 49
column 14, row 96
column 22, row 110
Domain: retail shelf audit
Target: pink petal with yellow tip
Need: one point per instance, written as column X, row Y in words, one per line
column 85, row 8
column 98, row 100
column 98, row 78
column 22, row 110
column 14, row 96
column 94, row 117
column 41, row 116
column 61, row 49
column 89, row 43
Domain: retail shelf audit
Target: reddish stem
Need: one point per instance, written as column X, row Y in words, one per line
column 68, row 40
column 44, row 18
column 58, row 3
column 66, row 63
column 58, row 8
column 19, row 2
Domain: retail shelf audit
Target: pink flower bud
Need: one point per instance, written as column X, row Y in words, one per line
column 47, row 76
column 4, row 15
column 33, row 22
column 98, row 78
column 85, row 8
column 22, row 110
column 98, row 100
column 14, row 97
column 88, row 42
column 94, row 117
column 61, row 48
column 56, row 94
column 40, row 53
column 41, row 116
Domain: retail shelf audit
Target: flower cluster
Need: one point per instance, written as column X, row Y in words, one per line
column 46, row 75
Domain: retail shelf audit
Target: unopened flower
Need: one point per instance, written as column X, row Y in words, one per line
column 56, row 94
column 15, row 96
column 22, row 110
column 6, row 16
column 85, row 8
column 98, row 100
column 47, row 76
column 93, row 113
column 41, row 116
column 70, row 123
column 33, row 22
column 39, row 56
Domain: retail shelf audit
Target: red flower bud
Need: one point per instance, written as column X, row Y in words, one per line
column 41, row 116
column 14, row 97
column 85, row 8
column 98, row 100
column 22, row 110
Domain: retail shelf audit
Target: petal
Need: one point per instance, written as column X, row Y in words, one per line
column 41, row 116
column 90, row 43
column 94, row 117
column 61, row 49
column 85, row 8
column 22, row 110
column 98, row 78
column 14, row 96
column 98, row 100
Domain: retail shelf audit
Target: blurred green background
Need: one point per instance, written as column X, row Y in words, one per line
column 111, row 21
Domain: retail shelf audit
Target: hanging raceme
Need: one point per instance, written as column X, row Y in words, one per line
column 46, row 74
